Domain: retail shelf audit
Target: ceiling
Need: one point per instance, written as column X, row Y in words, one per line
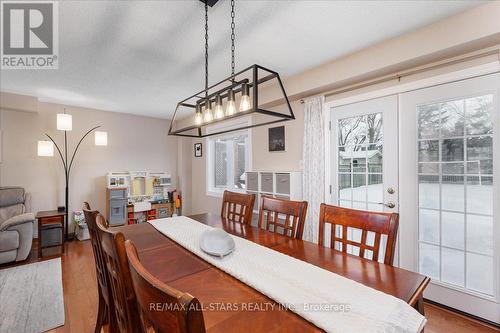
column 142, row 57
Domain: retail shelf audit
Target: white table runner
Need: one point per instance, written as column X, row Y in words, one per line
column 313, row 293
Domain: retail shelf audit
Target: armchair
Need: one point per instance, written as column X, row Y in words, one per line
column 16, row 226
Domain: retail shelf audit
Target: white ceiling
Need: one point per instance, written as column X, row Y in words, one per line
column 142, row 57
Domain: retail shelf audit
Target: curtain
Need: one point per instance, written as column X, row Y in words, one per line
column 313, row 157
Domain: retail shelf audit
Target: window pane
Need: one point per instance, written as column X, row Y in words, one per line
column 375, row 188
column 374, row 128
column 352, row 131
column 452, row 119
column 478, row 112
column 220, row 163
column 453, row 168
column 428, row 121
column 452, row 150
column 453, row 227
column 359, row 187
column 359, row 160
column 345, row 159
column 429, row 260
column 429, row 225
column 345, row 186
column 480, row 154
column 480, row 195
column 480, row 273
column 429, row 168
column 428, row 151
column 453, row 193
column 453, row 270
column 375, row 157
column 428, row 191
column 480, row 234
column 239, row 162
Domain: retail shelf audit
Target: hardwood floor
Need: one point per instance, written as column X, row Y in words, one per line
column 80, row 295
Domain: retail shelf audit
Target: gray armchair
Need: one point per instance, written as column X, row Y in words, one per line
column 16, row 226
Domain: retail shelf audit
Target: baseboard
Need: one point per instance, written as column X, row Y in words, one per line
column 467, row 315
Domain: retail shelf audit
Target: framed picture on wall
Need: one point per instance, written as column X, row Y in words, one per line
column 277, row 138
column 198, row 150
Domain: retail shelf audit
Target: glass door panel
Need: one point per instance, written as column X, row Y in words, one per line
column 364, row 159
column 448, row 192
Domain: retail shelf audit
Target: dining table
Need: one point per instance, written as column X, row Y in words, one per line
column 230, row 305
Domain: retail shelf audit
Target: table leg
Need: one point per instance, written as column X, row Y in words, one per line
column 419, row 305
column 39, row 239
column 62, row 236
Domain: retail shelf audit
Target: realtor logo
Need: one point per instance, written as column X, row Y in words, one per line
column 29, row 35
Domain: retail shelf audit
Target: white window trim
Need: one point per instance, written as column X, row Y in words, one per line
column 211, row 190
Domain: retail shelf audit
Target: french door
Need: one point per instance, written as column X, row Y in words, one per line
column 449, row 199
column 364, row 158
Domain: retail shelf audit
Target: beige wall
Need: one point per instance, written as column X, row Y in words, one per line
column 134, row 143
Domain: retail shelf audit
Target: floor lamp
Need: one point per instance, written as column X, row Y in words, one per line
column 46, row 148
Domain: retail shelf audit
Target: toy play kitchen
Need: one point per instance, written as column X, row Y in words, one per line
column 138, row 196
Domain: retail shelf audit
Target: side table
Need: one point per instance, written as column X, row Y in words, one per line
column 50, row 217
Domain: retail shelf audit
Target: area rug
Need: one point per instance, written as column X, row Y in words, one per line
column 31, row 297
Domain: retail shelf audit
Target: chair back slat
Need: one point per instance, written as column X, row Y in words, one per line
column 237, row 207
column 173, row 311
column 113, row 249
column 378, row 223
column 100, row 264
column 272, row 208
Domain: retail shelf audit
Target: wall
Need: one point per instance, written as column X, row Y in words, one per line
column 134, row 143
column 262, row 159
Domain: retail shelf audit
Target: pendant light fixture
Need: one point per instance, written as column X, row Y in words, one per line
column 235, row 98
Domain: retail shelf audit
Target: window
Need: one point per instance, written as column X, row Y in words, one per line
column 227, row 163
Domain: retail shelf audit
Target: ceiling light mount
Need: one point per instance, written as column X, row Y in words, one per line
column 236, row 98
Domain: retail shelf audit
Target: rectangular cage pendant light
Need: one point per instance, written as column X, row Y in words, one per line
column 231, row 105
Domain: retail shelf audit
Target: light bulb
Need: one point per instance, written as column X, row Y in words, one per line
column 245, row 103
column 231, row 105
column 208, row 112
column 218, row 111
column 198, row 117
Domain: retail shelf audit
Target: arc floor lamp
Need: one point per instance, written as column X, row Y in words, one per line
column 46, row 148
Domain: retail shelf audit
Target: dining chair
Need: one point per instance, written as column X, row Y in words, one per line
column 113, row 249
column 173, row 310
column 376, row 223
column 289, row 216
column 105, row 310
column 237, row 207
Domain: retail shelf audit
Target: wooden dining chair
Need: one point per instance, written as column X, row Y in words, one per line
column 283, row 216
column 177, row 312
column 377, row 223
column 124, row 301
column 237, row 207
column 105, row 310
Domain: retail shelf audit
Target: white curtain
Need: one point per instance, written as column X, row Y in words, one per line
column 313, row 157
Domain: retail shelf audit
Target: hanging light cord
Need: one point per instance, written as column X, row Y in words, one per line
column 232, row 39
column 206, row 48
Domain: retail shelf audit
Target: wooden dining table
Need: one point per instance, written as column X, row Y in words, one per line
column 230, row 305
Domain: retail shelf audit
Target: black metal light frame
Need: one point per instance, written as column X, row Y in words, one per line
column 235, row 85
column 67, row 171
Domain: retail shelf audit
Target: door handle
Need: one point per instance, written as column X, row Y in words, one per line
column 390, row 204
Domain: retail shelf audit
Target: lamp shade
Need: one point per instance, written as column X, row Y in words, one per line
column 101, row 138
column 64, row 122
column 45, row 148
